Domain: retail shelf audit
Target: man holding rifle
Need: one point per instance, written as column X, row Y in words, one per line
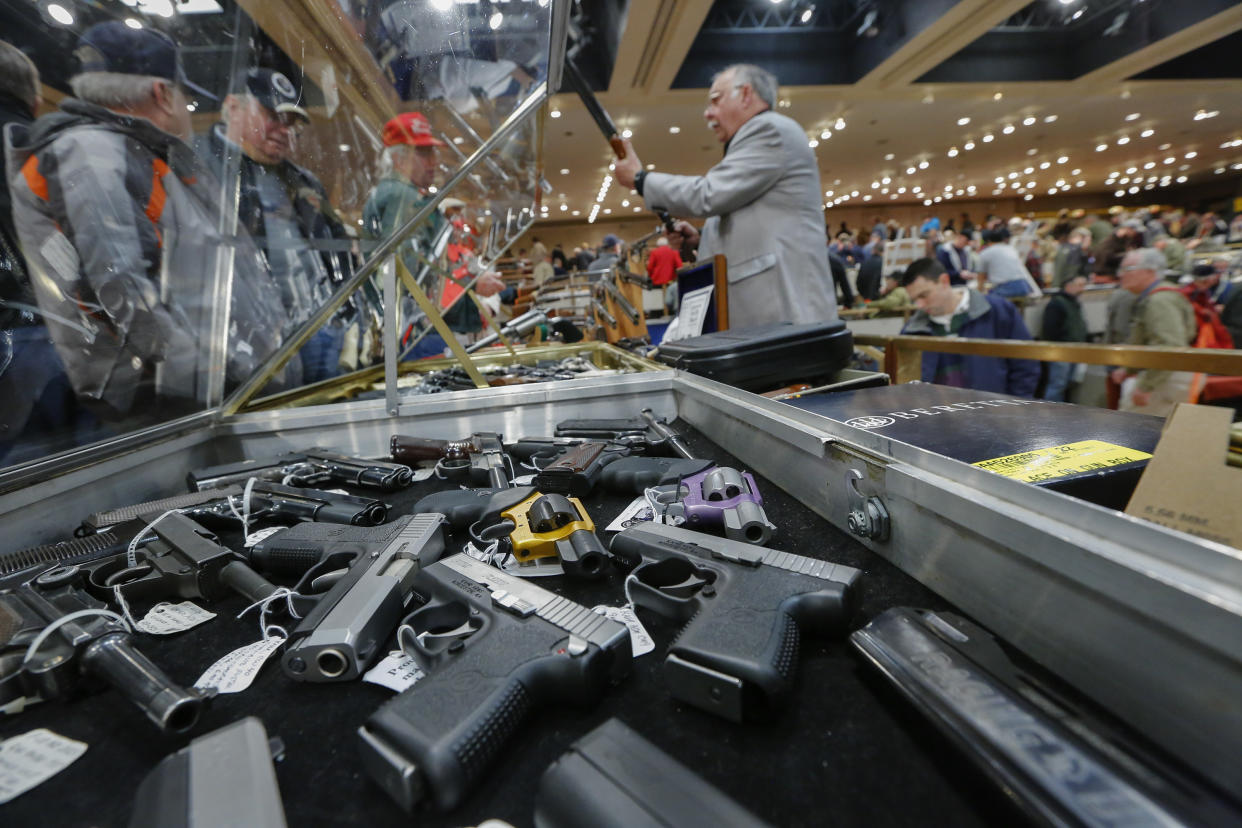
column 762, row 204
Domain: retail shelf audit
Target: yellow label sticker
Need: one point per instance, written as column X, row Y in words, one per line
column 1038, row 465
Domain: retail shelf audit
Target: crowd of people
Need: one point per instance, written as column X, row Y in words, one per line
column 136, row 286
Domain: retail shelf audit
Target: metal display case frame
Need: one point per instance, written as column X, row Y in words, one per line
column 1145, row 620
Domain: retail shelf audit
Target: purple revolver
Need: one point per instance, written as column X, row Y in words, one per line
column 722, row 501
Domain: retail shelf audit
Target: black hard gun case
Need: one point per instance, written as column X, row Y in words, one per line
column 764, row 357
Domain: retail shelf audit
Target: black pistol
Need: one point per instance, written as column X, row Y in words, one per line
column 311, row 467
column 737, row 670
column 493, row 647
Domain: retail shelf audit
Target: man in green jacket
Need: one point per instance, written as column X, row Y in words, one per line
column 1161, row 317
column 407, row 171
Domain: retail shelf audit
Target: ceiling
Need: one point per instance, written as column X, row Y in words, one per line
column 1083, row 96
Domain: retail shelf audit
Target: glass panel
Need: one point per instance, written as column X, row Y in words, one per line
column 205, row 174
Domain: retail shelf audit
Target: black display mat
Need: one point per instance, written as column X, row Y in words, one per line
column 847, row 751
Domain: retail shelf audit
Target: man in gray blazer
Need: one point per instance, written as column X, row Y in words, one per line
column 762, row 204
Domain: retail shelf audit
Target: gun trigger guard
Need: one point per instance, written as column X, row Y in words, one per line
column 685, row 589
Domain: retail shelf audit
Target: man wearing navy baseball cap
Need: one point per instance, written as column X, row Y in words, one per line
column 118, row 221
column 284, row 206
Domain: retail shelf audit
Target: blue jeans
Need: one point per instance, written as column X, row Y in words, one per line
column 1058, row 380
column 321, row 355
column 1014, row 287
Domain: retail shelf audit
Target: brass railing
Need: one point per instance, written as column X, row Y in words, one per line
column 903, row 355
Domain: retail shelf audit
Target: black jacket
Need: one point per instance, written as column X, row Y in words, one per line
column 14, row 282
column 1063, row 320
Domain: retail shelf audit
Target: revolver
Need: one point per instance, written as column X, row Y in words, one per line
column 480, row 457
column 88, row 644
column 493, row 646
column 548, row 526
column 306, row 468
column 744, row 609
column 720, row 500
column 269, row 501
column 344, row 632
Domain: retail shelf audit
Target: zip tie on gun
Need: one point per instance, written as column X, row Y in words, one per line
column 120, row 599
column 131, row 555
column 265, row 604
column 486, row 554
column 244, row 516
column 65, row 619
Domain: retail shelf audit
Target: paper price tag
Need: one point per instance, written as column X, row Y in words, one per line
column 640, row 639
column 32, row 758
column 235, row 672
column 396, row 672
column 524, row 480
column 262, row 534
column 166, row 619
column 638, row 510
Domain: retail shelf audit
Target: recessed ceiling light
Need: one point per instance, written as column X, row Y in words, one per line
column 923, row 164
column 839, row 125
column 564, row 207
column 1203, row 114
column 1218, row 170
column 1119, row 193
column 963, row 121
column 903, row 189
column 1184, row 167
column 825, row 135
column 651, row 166
column 1028, row 120
column 952, row 153
column 1049, row 118
column 564, row 172
column 1032, row 151
column 1008, row 129
column 576, row 213
column 1123, row 140
column 1101, row 147
column 627, row 133
column 1190, row 155
column 1029, row 170
column 910, row 170
column 638, row 209
column 997, row 96
column 1164, row 146
column 886, row 180
column 1030, row 184
column 674, row 129
column 1131, row 170
column 608, row 211
column 889, row 157
column 1075, row 171
column 1000, row 179
column 867, row 197
column 1149, row 165
column 1147, row 133
column 1133, row 116
column 1169, row 160
column 987, row 139
column 1043, row 165
column 813, row 143
column 853, row 193
column 1013, row 175
column 556, row 113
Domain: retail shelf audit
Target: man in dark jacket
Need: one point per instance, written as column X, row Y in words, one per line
column 1063, row 322
column 945, row 310
column 284, row 207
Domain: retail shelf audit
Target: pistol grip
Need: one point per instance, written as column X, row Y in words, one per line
column 437, row 738
column 634, row 475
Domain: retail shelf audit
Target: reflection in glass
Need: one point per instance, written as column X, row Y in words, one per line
column 182, row 214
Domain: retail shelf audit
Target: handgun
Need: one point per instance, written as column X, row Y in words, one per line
column 480, row 457
column 269, row 502
column 655, row 435
column 463, row 507
column 548, row 526
column 221, row 779
column 306, row 468
column 87, row 645
column 744, row 608
column 634, row 475
column 721, row 501
column 576, row 470
column 348, row 626
column 493, row 647
column 184, row 561
column 614, row 778
column 20, row 566
column 517, row 327
column 601, row 310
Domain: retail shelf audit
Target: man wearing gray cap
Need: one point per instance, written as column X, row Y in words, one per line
column 283, row 206
column 119, row 226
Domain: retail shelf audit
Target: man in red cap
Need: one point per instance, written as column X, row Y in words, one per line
column 407, row 170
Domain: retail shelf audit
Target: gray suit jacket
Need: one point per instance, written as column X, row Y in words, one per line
column 765, row 214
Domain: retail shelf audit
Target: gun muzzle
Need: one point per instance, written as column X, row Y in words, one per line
column 747, row 522
column 173, row 708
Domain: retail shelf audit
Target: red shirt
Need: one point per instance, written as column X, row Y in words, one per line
column 662, row 265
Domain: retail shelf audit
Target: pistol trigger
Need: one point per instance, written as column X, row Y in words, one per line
column 325, row 582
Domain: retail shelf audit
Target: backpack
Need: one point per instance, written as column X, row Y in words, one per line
column 1210, row 332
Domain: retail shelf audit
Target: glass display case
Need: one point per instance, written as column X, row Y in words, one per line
column 225, row 200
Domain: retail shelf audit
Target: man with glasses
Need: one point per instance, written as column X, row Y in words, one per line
column 117, row 220
column 284, row 207
column 946, row 310
column 762, row 202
